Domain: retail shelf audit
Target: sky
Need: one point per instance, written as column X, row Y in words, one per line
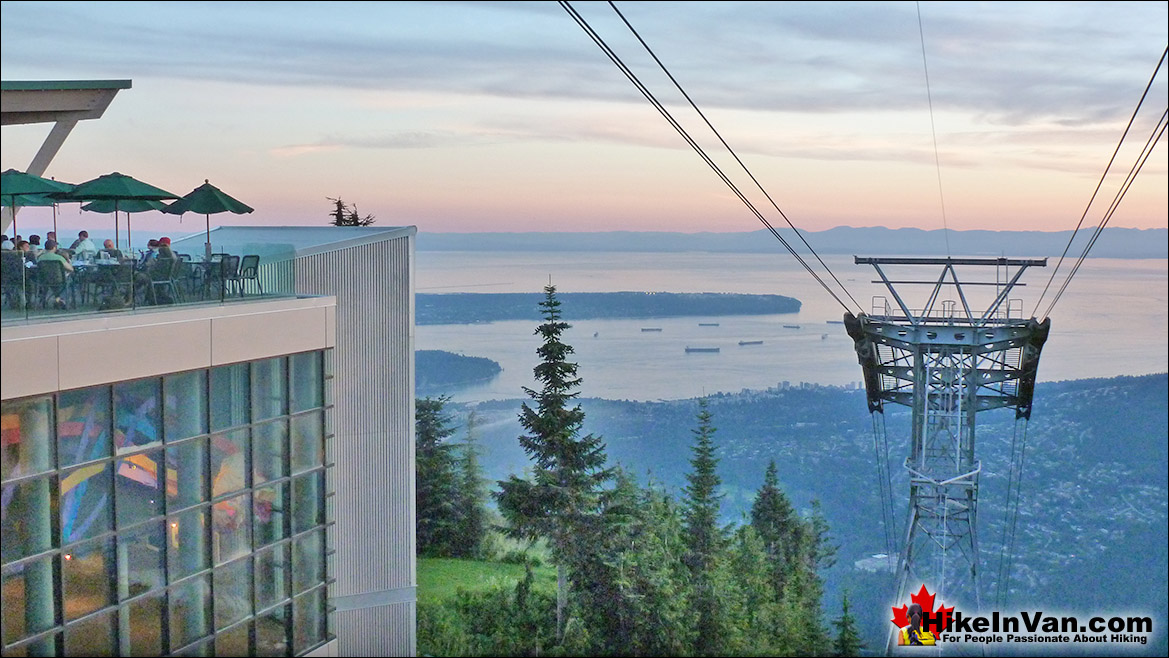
column 506, row 116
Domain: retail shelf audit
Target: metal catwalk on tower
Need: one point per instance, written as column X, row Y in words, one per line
column 946, row 360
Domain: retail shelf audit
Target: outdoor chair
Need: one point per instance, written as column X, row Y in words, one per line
column 249, row 270
column 163, row 272
column 225, row 274
column 112, row 286
column 16, row 280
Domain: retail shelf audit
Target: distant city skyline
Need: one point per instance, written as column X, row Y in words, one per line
column 499, row 117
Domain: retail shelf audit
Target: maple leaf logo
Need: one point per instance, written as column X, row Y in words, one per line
column 926, row 600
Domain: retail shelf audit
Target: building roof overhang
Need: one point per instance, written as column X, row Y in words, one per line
column 52, row 101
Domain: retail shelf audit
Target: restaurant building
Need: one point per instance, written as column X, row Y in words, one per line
column 230, row 473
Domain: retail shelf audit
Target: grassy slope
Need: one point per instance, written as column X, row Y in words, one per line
column 440, row 578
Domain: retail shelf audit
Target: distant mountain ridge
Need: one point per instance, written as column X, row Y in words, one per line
column 873, row 241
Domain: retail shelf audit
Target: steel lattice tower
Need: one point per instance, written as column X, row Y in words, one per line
column 946, row 362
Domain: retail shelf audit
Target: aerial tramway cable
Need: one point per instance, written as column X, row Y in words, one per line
column 1099, row 184
column 933, row 130
column 730, row 150
column 1011, row 516
column 1154, row 139
column 584, row 25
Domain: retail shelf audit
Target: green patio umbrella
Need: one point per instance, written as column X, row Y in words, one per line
column 118, row 189
column 20, row 189
column 208, row 200
column 106, row 206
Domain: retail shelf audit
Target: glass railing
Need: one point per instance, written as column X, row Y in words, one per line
column 49, row 288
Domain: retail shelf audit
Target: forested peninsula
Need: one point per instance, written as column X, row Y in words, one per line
column 469, row 308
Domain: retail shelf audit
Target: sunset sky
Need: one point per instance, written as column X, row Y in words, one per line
column 505, row 116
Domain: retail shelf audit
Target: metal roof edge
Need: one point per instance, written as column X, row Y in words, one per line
column 389, row 233
column 61, row 85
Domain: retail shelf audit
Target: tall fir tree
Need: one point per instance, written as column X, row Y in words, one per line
column 705, row 538
column 848, row 640
column 778, row 526
column 562, row 499
column 470, row 503
column 436, row 483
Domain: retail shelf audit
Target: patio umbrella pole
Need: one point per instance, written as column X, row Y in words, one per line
column 207, row 247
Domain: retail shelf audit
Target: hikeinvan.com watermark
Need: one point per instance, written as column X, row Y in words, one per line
column 919, row 623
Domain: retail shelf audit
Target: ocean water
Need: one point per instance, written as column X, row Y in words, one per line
column 1111, row 321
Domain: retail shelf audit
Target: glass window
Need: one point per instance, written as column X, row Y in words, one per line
column 140, row 559
column 190, row 611
column 83, row 425
column 137, row 414
column 233, row 641
column 308, row 445
column 85, row 497
column 145, row 615
column 87, row 573
column 308, row 621
column 163, row 544
column 269, row 394
column 93, row 636
column 187, row 543
column 307, row 510
column 229, row 462
column 308, row 561
column 28, row 599
column 268, row 514
column 185, row 411
column 27, row 519
column 272, row 632
column 28, row 437
column 186, row 477
column 233, row 592
column 229, row 396
column 139, row 488
column 307, row 387
column 231, row 526
column 268, row 445
column 271, row 576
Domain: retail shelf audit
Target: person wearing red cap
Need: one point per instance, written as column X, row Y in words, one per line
column 164, row 249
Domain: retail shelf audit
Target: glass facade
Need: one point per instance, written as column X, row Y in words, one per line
column 182, row 514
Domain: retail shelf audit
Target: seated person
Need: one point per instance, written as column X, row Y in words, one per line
column 25, row 248
column 5, row 243
column 164, row 250
column 149, row 256
column 83, row 245
column 110, row 249
column 34, row 245
column 50, row 255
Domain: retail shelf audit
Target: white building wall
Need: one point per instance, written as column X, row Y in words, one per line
column 373, row 444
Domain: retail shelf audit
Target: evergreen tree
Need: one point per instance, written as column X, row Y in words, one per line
column 471, row 510
column 631, row 587
column 803, row 591
column 563, row 496
column 757, row 615
column 436, row 483
column 778, row 526
column 848, row 640
column 705, row 538
column 346, row 215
